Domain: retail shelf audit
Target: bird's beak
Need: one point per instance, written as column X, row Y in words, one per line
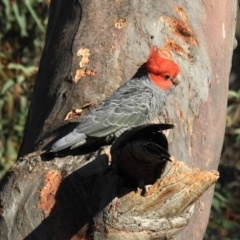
column 176, row 80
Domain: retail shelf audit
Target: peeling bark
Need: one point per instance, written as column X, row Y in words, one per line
column 93, row 47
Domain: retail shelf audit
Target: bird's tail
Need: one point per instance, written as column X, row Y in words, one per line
column 73, row 140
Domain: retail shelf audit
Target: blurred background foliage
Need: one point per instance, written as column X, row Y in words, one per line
column 23, row 25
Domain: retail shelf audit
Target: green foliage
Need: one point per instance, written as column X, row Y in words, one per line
column 23, row 25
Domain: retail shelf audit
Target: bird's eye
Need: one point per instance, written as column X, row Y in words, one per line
column 167, row 76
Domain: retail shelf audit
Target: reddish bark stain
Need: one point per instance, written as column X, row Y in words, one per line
column 182, row 30
column 120, row 23
column 171, row 45
column 48, row 192
column 181, row 13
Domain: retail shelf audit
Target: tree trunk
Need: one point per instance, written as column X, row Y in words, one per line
column 93, row 47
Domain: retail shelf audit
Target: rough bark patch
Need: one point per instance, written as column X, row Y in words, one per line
column 83, row 71
column 120, row 23
column 76, row 112
column 163, row 212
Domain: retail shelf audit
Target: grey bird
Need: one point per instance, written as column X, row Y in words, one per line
column 136, row 102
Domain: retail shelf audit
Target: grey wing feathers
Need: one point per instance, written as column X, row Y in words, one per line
column 67, row 141
column 121, row 110
column 126, row 108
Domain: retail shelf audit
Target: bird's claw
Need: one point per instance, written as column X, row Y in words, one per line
column 143, row 187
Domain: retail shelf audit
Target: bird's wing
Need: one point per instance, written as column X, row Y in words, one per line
column 125, row 108
column 155, row 152
column 151, row 131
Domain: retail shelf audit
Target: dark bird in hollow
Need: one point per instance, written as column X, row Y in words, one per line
column 140, row 154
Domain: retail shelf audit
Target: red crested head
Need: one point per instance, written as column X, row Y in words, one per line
column 162, row 71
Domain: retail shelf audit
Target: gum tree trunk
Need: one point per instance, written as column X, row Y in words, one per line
column 92, row 47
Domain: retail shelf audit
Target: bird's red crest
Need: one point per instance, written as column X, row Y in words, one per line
column 158, row 67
